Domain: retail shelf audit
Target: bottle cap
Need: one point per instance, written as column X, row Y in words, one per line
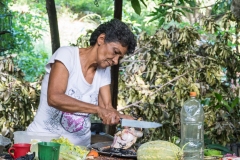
column 193, row 94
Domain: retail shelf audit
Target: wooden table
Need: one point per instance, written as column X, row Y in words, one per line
column 102, row 157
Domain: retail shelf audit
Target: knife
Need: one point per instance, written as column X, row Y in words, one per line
column 139, row 124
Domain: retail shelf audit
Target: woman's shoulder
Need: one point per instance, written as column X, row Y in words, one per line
column 65, row 54
column 71, row 49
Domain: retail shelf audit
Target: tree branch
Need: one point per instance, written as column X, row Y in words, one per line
column 160, row 105
column 4, row 32
column 136, row 103
column 131, row 105
column 174, row 79
column 167, row 5
column 132, row 61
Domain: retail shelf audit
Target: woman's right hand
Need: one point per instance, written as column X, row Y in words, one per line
column 108, row 116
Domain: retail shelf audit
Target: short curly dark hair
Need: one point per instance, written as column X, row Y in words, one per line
column 115, row 31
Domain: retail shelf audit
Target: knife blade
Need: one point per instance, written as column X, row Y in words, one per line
column 139, row 124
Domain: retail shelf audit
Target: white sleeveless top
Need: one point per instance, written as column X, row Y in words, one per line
column 74, row 126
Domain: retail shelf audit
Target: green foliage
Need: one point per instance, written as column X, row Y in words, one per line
column 223, row 150
column 177, row 59
column 6, row 36
column 225, row 122
column 18, row 99
column 32, row 64
column 136, row 6
column 221, row 6
column 27, row 28
column 103, row 8
column 140, row 22
column 168, row 10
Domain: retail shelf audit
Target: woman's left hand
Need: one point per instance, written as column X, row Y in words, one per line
column 109, row 116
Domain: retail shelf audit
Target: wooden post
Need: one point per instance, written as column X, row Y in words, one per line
column 53, row 23
column 115, row 69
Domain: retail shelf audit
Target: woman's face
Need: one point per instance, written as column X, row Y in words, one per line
column 110, row 53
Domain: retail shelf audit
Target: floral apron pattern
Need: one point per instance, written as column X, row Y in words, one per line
column 71, row 122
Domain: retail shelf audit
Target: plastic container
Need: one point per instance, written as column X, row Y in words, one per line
column 192, row 129
column 48, row 150
column 27, row 137
column 3, row 143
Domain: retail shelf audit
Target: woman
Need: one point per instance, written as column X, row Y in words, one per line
column 77, row 84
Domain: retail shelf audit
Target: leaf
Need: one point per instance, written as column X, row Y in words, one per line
column 191, row 3
column 219, row 97
column 218, row 147
column 187, row 10
column 136, row 6
column 161, row 21
column 153, row 14
column 226, row 105
column 217, row 107
column 206, row 102
column 235, row 101
column 180, row 11
column 155, row 17
column 181, row 1
column 143, row 3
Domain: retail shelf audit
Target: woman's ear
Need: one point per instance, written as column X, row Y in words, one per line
column 101, row 39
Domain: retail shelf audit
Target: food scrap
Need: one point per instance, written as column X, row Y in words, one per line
column 126, row 138
column 92, row 154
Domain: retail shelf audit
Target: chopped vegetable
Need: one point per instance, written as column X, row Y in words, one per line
column 93, row 154
column 212, row 152
column 70, row 151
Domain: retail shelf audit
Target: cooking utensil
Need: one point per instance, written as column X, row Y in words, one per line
column 104, row 148
column 139, row 124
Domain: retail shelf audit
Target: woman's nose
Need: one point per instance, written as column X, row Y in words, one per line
column 115, row 59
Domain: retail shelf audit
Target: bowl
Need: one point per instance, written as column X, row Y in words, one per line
column 28, row 137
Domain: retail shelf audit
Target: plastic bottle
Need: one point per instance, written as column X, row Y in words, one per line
column 192, row 129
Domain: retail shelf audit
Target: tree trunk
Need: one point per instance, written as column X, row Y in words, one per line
column 235, row 8
column 53, row 23
column 115, row 69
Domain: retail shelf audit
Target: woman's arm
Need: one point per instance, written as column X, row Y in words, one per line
column 104, row 97
column 57, row 86
column 57, row 98
column 105, row 101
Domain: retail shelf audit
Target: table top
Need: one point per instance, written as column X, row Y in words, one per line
column 103, row 157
